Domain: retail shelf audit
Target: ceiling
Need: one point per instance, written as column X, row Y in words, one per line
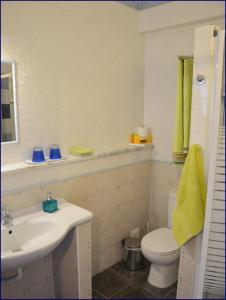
column 140, row 5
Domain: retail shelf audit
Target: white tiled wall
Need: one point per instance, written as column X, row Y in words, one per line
column 187, row 267
column 65, row 267
column 84, row 261
column 164, row 178
column 63, row 274
column 118, row 198
column 36, row 282
column 54, row 276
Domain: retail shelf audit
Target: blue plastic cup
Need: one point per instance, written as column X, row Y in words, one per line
column 54, row 152
column 38, row 155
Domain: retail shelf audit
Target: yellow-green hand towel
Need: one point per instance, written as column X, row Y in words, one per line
column 189, row 213
column 81, row 151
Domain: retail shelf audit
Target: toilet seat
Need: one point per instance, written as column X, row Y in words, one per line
column 160, row 253
column 160, row 242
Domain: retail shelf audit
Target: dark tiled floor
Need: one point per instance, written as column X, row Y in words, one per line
column 118, row 283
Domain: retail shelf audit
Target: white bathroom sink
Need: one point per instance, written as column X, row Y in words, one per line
column 36, row 234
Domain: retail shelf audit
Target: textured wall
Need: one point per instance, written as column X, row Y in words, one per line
column 80, row 70
column 118, row 198
column 161, row 83
column 162, row 49
column 164, row 179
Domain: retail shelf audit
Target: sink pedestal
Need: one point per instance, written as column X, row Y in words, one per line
column 64, row 273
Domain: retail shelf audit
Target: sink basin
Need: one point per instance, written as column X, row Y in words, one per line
column 36, row 234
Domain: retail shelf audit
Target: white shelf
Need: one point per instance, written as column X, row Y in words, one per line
column 141, row 145
column 71, row 159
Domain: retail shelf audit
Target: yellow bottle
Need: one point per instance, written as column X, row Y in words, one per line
column 136, row 139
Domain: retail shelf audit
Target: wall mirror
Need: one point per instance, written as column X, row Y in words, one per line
column 8, row 103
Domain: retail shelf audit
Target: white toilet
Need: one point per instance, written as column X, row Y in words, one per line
column 161, row 249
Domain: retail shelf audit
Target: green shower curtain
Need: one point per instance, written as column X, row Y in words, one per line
column 183, row 109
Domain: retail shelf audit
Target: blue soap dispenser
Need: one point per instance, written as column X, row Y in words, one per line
column 50, row 205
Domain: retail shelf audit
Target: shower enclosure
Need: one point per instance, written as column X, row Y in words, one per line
column 211, row 283
column 202, row 260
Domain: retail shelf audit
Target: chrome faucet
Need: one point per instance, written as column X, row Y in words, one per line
column 7, row 219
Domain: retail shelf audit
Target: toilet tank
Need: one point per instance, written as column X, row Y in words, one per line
column 171, row 206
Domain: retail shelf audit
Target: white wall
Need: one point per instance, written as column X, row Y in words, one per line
column 80, row 73
column 169, row 31
column 179, row 14
column 162, row 49
column 160, row 85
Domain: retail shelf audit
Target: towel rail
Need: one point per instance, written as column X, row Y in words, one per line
column 185, row 56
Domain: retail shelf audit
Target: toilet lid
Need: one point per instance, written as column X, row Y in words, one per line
column 160, row 241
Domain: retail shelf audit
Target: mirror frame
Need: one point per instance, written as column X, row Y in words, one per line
column 14, row 100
